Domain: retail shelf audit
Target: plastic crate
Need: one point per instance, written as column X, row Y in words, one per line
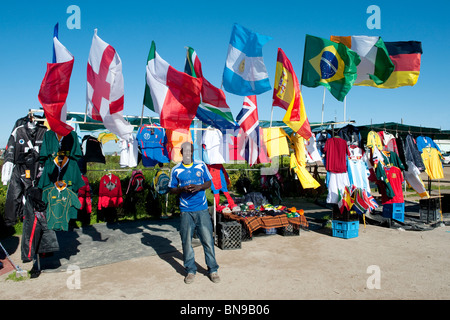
column 289, row 230
column 429, row 210
column 431, row 204
column 394, row 211
column 345, row 229
column 245, row 234
column 429, row 215
column 229, row 235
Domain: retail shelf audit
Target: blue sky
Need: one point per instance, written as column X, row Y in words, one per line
column 26, row 30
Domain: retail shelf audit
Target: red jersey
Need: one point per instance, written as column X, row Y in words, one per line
column 336, row 152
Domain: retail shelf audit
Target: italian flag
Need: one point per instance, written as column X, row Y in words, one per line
column 376, row 65
column 172, row 94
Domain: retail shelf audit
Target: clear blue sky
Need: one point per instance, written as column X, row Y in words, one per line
column 26, row 30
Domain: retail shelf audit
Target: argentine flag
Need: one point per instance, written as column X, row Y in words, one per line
column 245, row 73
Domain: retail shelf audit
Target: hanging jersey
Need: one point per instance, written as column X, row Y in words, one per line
column 61, row 169
column 182, row 175
column 432, row 161
column 152, row 142
column 93, row 150
column 110, row 192
column 129, row 152
column 54, row 145
column 214, row 146
column 62, row 206
column 336, row 151
column 84, row 195
column 175, row 138
column 395, row 177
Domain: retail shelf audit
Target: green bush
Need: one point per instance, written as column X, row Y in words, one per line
column 144, row 205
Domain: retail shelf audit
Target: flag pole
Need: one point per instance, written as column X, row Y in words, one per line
column 271, row 116
column 142, row 113
column 345, row 107
column 323, row 102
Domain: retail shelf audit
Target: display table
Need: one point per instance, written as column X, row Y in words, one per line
column 252, row 224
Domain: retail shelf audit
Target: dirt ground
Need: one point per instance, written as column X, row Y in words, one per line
column 380, row 264
column 314, row 265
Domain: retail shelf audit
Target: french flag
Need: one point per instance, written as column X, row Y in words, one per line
column 55, row 87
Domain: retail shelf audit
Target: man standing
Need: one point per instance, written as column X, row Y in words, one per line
column 190, row 178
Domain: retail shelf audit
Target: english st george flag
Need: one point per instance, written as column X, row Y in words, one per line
column 105, row 88
column 55, row 87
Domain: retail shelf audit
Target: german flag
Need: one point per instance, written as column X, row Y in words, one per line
column 406, row 56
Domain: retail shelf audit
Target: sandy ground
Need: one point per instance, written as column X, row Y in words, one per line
column 380, row 264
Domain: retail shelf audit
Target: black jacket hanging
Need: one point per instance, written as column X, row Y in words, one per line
column 93, row 150
column 36, row 237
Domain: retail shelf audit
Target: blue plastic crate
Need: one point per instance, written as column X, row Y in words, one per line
column 345, row 229
column 394, row 211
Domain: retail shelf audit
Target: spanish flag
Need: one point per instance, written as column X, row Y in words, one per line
column 287, row 95
column 406, row 56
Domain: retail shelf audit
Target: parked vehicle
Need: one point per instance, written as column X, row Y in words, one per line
column 446, row 158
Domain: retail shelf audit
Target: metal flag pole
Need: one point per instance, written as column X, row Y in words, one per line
column 345, row 107
column 323, row 102
column 271, row 116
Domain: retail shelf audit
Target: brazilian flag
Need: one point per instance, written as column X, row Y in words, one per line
column 329, row 64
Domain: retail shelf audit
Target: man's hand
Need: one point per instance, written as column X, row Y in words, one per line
column 192, row 188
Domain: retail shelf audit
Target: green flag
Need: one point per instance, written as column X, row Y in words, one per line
column 329, row 64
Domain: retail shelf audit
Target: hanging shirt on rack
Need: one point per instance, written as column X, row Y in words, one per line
column 152, row 142
column 373, row 140
column 389, row 142
column 214, row 146
column 358, row 171
column 54, row 145
column 129, row 153
column 84, row 195
column 105, row 137
column 62, row 205
column 412, row 153
column 336, row 152
column 110, row 192
column 21, row 167
column 433, row 164
column 392, row 158
column 93, row 150
column 395, row 177
column 61, row 169
column 175, row 139
column 426, row 142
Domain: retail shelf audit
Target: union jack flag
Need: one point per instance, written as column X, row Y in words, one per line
column 249, row 122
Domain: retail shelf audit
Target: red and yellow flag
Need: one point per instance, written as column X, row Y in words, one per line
column 287, row 95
